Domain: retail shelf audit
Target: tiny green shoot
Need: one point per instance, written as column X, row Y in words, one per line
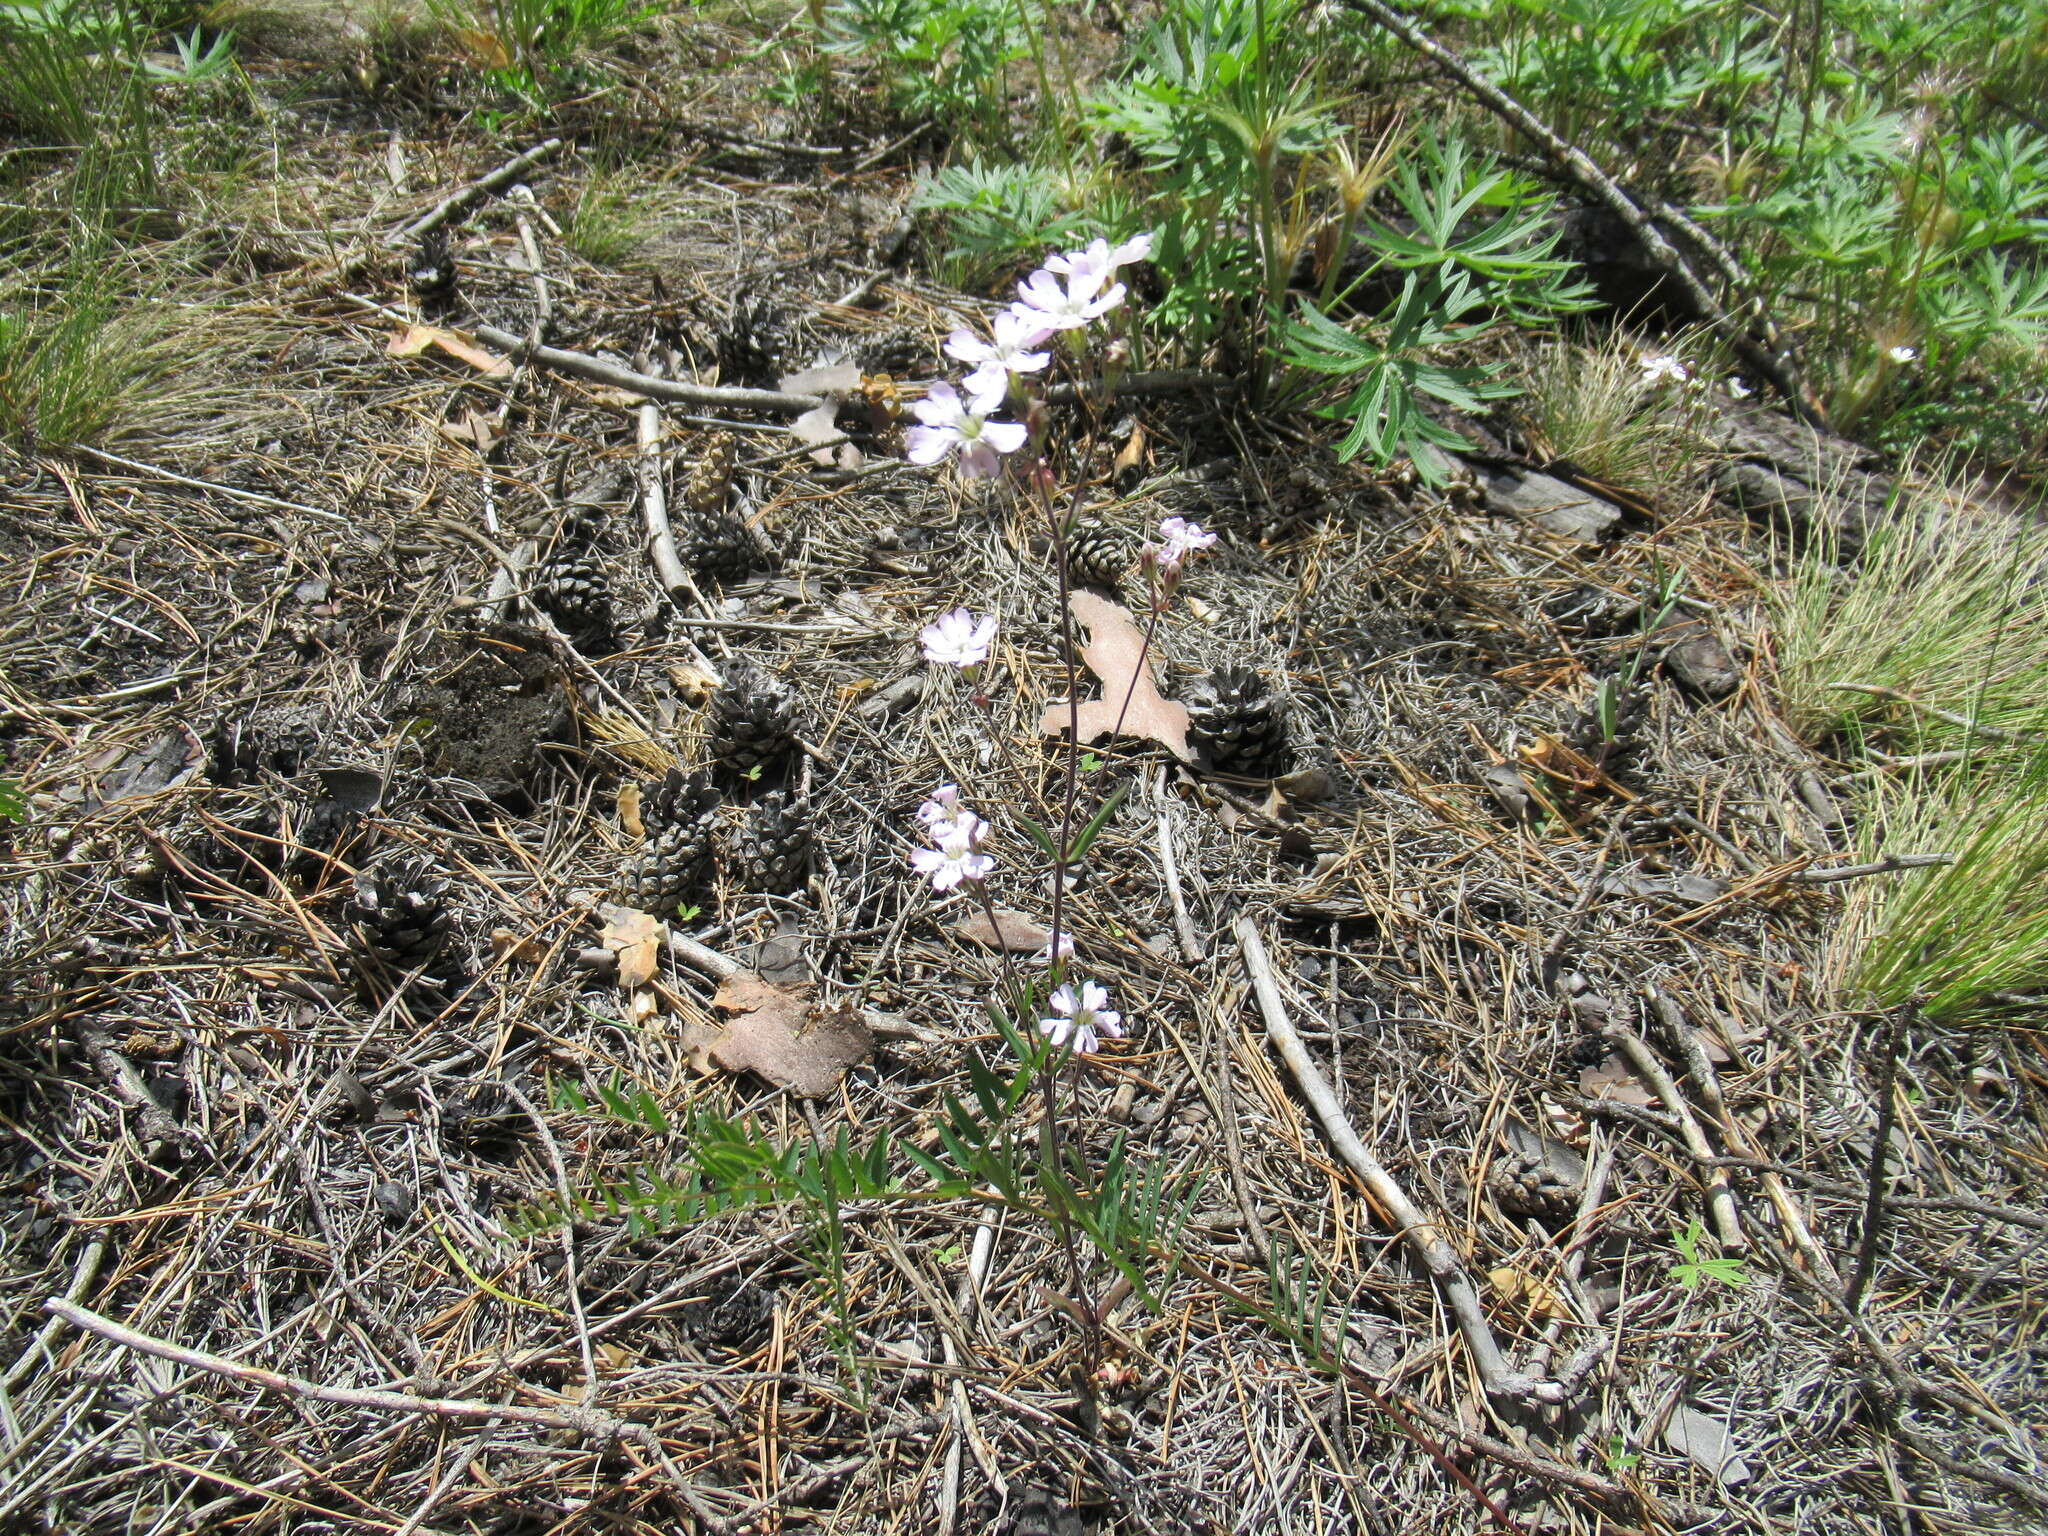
column 1691, row 1268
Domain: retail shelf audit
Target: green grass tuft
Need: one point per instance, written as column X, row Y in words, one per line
column 83, row 362
column 1944, row 606
column 1596, row 409
column 1953, row 938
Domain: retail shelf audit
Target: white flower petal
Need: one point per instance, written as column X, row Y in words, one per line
column 1004, row 436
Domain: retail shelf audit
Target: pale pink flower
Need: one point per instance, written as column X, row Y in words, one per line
column 1041, row 300
column 1060, row 947
column 957, row 858
column 958, row 639
column 1180, row 538
column 1082, row 1020
column 939, row 811
column 995, row 362
column 1664, row 369
column 1101, row 258
column 952, row 425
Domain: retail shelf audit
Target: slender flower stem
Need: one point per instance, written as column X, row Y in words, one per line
column 1072, row 789
column 1020, row 998
column 1144, row 656
column 1052, row 1145
column 1025, row 784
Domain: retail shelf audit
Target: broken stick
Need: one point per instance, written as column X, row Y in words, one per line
column 1428, row 1244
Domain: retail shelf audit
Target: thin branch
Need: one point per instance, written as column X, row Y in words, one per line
column 233, row 492
column 591, row 1423
column 1780, row 370
column 1890, row 864
column 1893, row 695
column 459, row 203
column 1887, row 1116
column 1424, row 1239
column 1720, row 1194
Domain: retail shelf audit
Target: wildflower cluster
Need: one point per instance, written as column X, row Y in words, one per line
column 1068, row 293
column 956, row 833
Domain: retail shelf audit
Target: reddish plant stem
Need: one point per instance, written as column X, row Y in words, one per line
column 1144, row 658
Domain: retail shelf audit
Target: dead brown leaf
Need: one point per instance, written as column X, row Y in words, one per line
column 635, row 938
column 1519, row 1285
column 782, row 1035
column 525, row 948
column 1011, row 930
column 1116, row 653
column 415, row 339
column 1132, row 455
column 1612, row 1080
column 629, row 810
column 480, row 430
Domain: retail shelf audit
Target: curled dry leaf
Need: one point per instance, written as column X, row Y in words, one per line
column 636, row 939
column 1524, row 1289
column 415, row 339
column 525, row 948
column 478, row 429
column 782, row 1035
column 1011, row 930
column 1116, row 653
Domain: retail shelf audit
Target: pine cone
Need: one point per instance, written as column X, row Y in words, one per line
column 399, row 914
column 772, row 851
column 1527, row 1187
column 431, row 272
column 572, row 590
column 1240, row 721
column 1095, row 554
column 282, row 738
column 753, row 719
column 718, row 540
column 679, row 813
column 327, row 831
column 752, row 345
column 721, row 544
column 709, row 487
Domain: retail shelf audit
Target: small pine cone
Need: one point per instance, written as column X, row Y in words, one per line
column 282, row 739
column 1240, row 721
column 720, row 543
column 399, row 914
column 1095, row 554
column 752, row 345
column 679, row 813
column 431, row 272
column 709, row 487
column 481, row 1115
column 677, row 798
column 753, row 719
column 772, row 851
column 572, row 590
column 326, row 831
column 1527, row 1187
